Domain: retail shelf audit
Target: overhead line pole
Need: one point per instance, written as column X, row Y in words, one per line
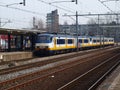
column 89, row 15
column 77, row 28
column 24, row 2
column 77, row 25
column 0, row 22
column 117, row 22
column 76, row 1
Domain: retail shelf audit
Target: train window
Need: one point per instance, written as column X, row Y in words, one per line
column 98, row 40
column 105, row 40
column 110, row 40
column 60, row 41
column 51, row 38
column 44, row 39
column 80, row 40
column 85, row 40
column 70, row 41
column 94, row 41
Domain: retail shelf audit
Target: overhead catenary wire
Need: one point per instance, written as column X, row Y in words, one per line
column 67, row 7
column 4, row 21
column 105, row 6
column 28, row 11
column 62, row 1
column 48, row 3
column 14, row 20
column 109, row 0
column 33, row 12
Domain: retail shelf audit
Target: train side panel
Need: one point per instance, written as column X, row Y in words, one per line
column 52, row 44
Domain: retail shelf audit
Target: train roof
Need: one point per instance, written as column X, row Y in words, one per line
column 56, row 35
column 94, row 37
column 63, row 35
column 87, row 37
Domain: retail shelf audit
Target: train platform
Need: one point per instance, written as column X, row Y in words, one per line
column 12, row 56
column 112, row 82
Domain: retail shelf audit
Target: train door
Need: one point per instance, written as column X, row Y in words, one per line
column 54, row 43
column 57, row 43
column 66, row 42
column 90, row 42
column 80, row 42
column 60, row 43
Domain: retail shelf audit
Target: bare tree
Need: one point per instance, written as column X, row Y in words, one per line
column 65, row 23
column 91, row 21
column 38, row 23
column 103, row 20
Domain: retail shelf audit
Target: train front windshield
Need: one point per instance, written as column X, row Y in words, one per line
column 44, row 39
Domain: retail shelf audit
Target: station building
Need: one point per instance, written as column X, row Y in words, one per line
column 53, row 22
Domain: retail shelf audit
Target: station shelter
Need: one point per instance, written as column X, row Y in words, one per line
column 17, row 40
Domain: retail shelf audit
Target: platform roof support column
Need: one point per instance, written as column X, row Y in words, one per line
column 21, row 42
column 32, row 42
column 31, row 46
column 9, row 40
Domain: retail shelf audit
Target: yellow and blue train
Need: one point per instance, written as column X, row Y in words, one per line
column 56, row 43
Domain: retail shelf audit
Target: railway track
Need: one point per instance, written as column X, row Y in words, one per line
column 20, row 62
column 98, row 74
column 40, row 62
column 27, row 80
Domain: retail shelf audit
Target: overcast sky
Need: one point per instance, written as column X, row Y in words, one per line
column 21, row 16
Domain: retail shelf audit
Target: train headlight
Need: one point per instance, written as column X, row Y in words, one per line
column 37, row 48
column 43, row 47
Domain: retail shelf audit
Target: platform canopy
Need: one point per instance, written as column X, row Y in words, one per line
column 20, row 31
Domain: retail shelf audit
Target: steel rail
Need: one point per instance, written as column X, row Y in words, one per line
column 47, row 74
column 49, row 60
column 102, row 77
column 71, row 82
